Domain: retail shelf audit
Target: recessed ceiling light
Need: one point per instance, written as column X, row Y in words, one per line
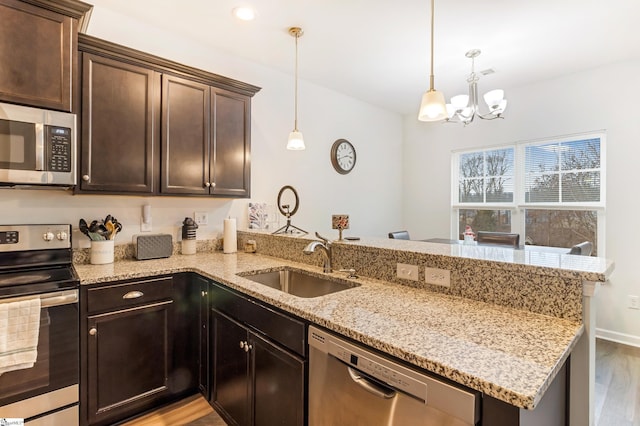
column 244, row 13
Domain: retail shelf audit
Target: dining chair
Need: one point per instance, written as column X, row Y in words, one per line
column 399, row 235
column 583, row 249
column 498, row 238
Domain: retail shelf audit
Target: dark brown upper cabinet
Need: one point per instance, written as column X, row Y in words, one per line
column 185, row 136
column 38, row 51
column 158, row 127
column 205, row 139
column 121, row 126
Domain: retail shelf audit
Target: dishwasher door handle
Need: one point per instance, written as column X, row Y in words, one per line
column 370, row 386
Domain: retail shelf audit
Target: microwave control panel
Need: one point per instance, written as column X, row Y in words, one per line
column 58, row 149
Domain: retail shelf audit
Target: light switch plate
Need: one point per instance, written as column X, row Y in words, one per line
column 201, row 218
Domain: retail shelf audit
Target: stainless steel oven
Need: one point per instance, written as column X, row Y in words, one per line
column 37, row 146
column 36, row 269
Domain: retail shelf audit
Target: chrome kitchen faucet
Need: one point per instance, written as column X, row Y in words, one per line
column 325, row 247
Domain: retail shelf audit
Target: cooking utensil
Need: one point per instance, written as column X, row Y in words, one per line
column 111, row 230
column 84, row 228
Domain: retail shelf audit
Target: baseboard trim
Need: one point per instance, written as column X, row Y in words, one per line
column 625, row 339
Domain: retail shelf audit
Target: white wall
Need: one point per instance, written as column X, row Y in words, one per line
column 603, row 98
column 370, row 194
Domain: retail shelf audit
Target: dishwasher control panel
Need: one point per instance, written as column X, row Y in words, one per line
column 390, row 376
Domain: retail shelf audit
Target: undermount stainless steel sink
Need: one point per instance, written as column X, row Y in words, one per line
column 299, row 283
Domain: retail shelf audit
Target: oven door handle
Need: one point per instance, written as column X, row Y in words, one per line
column 64, row 299
column 49, row 300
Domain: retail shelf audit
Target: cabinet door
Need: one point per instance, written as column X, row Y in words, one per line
column 37, row 53
column 185, row 137
column 120, row 126
column 231, row 156
column 230, row 393
column 129, row 357
column 203, row 285
column 278, row 385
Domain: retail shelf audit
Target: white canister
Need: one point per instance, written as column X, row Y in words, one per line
column 101, row 252
column 230, row 242
column 188, row 246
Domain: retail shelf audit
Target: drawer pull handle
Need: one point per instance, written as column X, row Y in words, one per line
column 93, row 331
column 133, row 295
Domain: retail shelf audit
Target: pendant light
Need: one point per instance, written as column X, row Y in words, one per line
column 296, row 142
column 433, row 106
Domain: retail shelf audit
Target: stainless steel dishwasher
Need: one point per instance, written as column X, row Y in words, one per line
column 351, row 385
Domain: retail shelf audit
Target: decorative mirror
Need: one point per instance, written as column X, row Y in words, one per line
column 288, row 203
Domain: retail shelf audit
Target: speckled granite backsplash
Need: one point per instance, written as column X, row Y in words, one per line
column 506, row 284
column 126, row 251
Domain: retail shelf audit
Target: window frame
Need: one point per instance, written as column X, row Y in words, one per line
column 519, row 206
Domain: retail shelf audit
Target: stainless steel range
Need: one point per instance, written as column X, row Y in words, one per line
column 39, row 364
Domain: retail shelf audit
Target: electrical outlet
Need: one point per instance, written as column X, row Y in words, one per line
column 437, row 276
column 408, row 272
column 201, row 218
column 634, row 302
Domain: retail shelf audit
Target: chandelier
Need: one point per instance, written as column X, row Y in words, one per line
column 464, row 108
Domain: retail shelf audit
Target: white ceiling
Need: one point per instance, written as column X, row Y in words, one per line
column 378, row 50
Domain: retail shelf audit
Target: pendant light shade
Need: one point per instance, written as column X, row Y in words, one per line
column 296, row 141
column 433, row 106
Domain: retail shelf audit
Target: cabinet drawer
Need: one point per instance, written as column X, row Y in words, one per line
column 281, row 328
column 129, row 294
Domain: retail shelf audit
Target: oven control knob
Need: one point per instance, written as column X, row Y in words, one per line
column 47, row 236
column 61, row 235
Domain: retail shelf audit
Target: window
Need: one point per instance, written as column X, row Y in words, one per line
column 551, row 192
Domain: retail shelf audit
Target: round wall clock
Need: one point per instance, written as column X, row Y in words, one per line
column 343, row 156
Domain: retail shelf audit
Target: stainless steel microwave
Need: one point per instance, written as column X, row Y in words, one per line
column 37, row 146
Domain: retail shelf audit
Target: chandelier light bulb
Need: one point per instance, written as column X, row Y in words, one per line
column 494, row 98
column 460, row 101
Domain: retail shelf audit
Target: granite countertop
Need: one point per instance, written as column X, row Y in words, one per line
column 509, row 354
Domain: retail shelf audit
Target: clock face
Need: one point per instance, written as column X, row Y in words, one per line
column 343, row 156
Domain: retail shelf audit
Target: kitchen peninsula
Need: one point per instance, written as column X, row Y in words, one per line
column 505, row 326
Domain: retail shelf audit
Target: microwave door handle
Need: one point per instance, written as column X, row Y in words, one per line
column 39, row 146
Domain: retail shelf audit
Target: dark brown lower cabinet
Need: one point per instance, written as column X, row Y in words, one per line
column 139, row 346
column 255, row 382
column 128, row 360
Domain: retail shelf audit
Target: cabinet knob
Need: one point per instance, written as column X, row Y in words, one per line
column 85, row 178
column 241, row 344
column 207, row 184
column 93, row 331
column 204, row 293
column 213, row 184
column 247, row 347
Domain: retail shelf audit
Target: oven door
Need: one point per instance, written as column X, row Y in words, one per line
column 52, row 383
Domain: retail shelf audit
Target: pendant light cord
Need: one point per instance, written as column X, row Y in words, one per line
column 431, row 78
column 295, row 120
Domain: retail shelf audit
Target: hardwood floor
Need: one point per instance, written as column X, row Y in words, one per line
column 191, row 411
column 617, row 394
column 617, row 387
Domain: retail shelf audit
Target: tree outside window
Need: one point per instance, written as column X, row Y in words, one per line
column 560, row 192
